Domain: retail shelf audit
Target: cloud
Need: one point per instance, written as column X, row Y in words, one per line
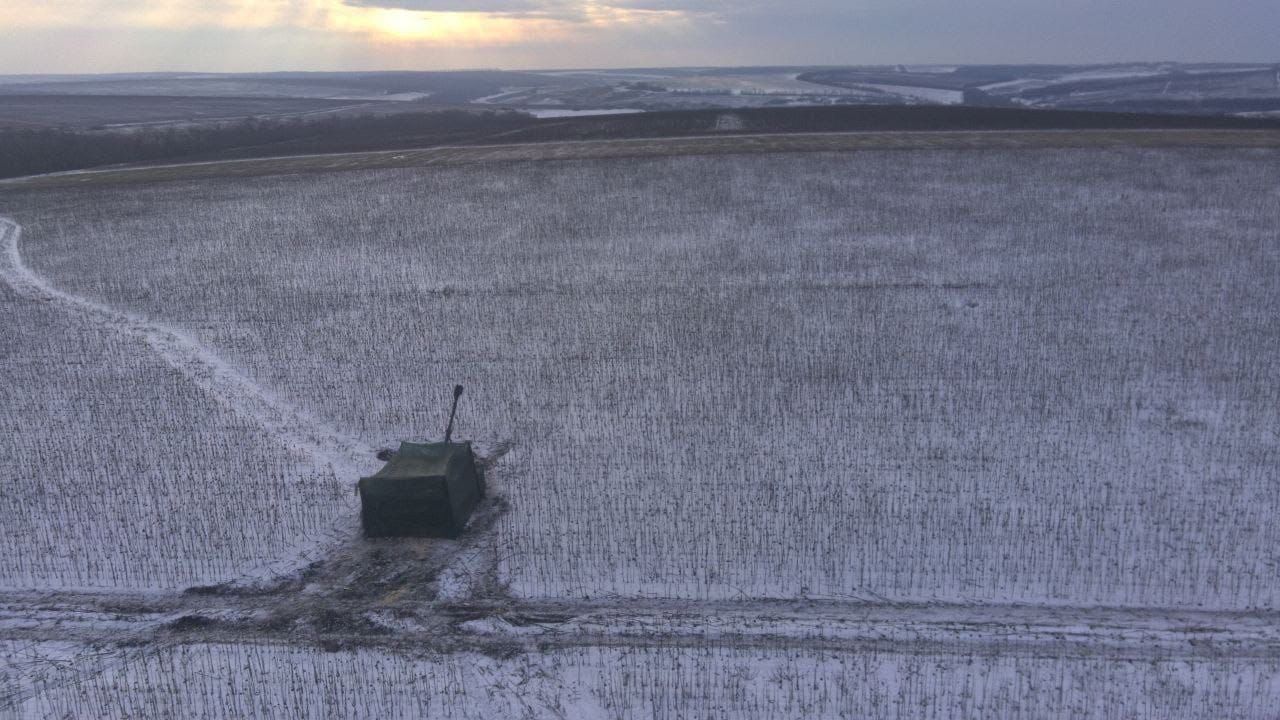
column 487, row 7
column 535, row 9
column 97, row 35
column 699, row 7
column 566, row 10
column 134, row 14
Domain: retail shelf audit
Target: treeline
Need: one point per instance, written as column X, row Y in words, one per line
column 31, row 152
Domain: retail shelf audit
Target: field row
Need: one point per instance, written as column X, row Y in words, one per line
column 252, row 681
column 1022, row 376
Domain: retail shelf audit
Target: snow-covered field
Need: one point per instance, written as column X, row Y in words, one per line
column 914, row 92
column 125, row 468
column 545, row 113
column 1037, row 377
column 761, row 84
column 658, row 683
column 1021, row 377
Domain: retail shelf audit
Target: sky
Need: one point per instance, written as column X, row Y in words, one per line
column 82, row 36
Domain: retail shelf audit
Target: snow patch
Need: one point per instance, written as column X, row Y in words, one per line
column 552, row 113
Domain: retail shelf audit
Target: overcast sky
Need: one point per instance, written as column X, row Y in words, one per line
column 72, row 36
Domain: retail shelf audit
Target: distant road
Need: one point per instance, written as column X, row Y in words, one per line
column 660, row 147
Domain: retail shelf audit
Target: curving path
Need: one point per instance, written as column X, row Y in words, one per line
column 229, row 386
column 347, row 456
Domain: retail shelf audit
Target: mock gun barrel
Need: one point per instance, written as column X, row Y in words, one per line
column 448, row 431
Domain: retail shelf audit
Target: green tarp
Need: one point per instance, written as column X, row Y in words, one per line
column 421, row 460
column 425, row 490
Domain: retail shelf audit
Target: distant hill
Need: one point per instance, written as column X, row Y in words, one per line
column 124, row 101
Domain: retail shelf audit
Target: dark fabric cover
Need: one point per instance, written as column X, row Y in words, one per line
column 425, row 490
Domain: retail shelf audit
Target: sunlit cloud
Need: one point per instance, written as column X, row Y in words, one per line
column 226, row 35
column 589, row 11
column 443, row 28
column 165, row 14
column 558, row 9
column 443, row 22
column 497, row 27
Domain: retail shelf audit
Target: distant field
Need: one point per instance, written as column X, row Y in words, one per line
column 447, row 87
column 91, row 111
column 1022, row 375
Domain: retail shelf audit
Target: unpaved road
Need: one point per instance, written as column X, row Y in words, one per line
column 306, row 614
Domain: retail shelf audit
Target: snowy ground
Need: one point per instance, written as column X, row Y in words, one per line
column 944, row 408
column 763, row 84
column 189, row 681
column 545, row 113
column 347, row 646
column 908, row 376
column 134, row 458
column 935, row 95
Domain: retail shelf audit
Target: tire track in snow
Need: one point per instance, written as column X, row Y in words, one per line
column 346, row 456
column 507, row 624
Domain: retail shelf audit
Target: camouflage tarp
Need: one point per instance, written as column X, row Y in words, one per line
column 425, row 490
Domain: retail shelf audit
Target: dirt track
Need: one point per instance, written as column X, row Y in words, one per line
column 325, row 611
